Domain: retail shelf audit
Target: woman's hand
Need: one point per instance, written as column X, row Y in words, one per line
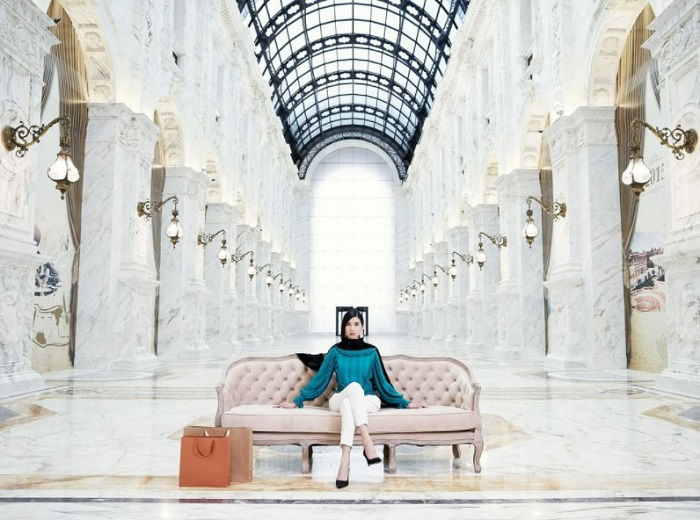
column 286, row 405
column 417, row 405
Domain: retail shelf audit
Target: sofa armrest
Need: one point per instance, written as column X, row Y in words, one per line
column 476, row 387
column 220, row 404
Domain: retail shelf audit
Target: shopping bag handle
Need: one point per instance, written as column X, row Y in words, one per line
column 199, row 452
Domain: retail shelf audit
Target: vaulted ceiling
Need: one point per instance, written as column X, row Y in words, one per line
column 364, row 69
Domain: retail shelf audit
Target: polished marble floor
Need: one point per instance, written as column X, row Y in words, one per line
column 559, row 444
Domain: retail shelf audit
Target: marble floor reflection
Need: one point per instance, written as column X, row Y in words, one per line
column 559, row 444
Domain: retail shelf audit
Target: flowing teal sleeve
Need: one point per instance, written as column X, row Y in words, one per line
column 386, row 390
column 319, row 382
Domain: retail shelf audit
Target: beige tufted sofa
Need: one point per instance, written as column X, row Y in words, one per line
column 251, row 386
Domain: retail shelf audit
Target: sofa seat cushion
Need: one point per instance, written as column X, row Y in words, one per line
column 312, row 419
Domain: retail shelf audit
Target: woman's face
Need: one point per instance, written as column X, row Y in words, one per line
column 353, row 328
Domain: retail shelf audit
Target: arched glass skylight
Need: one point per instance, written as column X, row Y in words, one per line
column 355, row 67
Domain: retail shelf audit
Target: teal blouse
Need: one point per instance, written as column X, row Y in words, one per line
column 352, row 366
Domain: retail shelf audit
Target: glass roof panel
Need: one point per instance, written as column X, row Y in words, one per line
column 353, row 65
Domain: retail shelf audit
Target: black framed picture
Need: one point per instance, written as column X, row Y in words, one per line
column 339, row 311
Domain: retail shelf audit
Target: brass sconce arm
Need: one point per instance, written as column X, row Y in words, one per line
column 555, row 210
column 148, row 209
column 259, row 269
column 469, row 259
column 22, row 137
column 205, row 238
column 498, row 241
column 678, row 140
column 236, row 257
column 277, row 276
column 439, row 267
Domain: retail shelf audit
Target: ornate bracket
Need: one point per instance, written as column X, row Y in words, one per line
column 22, row 137
column 678, row 140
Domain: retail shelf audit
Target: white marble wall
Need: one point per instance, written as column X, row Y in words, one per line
column 116, row 312
column 520, row 291
column 676, row 45
column 585, row 278
column 220, row 281
column 24, row 41
column 482, row 323
column 182, row 318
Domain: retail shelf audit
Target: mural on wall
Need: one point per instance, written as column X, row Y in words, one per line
column 50, row 320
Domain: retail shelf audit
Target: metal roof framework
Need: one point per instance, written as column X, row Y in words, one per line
column 366, row 68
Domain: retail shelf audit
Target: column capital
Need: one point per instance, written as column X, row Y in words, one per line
column 676, row 33
column 586, row 126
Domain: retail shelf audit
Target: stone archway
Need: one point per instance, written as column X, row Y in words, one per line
column 92, row 34
column 610, row 28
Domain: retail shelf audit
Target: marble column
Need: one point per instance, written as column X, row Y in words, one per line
column 220, row 281
column 482, row 331
column 264, row 314
column 24, row 41
column 457, row 301
column 676, row 45
column 520, row 292
column 248, row 303
column 116, row 295
column 586, row 321
column 182, row 319
column 441, row 292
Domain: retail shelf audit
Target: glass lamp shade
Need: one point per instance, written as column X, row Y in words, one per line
column 640, row 172
column 636, row 173
column 222, row 255
column 251, row 271
column 174, row 231
column 422, row 287
column 480, row 258
column 281, row 287
column 414, row 292
column 434, row 280
column 63, row 169
column 530, row 231
column 290, row 292
column 303, row 299
column 268, row 280
column 453, row 271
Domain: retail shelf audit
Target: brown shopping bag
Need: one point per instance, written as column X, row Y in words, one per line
column 241, row 448
column 205, row 457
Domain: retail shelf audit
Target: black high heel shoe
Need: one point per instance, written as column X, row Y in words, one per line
column 342, row 483
column 375, row 460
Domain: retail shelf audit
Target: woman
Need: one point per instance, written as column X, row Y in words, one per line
column 361, row 376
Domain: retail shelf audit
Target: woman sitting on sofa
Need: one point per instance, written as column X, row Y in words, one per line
column 362, row 381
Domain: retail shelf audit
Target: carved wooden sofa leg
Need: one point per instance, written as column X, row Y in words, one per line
column 456, row 451
column 478, row 449
column 306, row 457
column 390, row 457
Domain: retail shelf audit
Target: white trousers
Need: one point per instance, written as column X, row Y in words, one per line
column 353, row 405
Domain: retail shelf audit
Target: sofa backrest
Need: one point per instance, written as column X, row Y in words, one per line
column 272, row 380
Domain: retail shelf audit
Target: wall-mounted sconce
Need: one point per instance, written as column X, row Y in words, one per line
column 453, row 266
column 282, row 285
column 148, row 209
column 236, row 257
column 434, row 278
column 680, row 141
column 63, row 172
column 203, row 239
column 414, row 291
column 498, row 241
column 556, row 210
column 422, row 283
column 258, row 270
column 292, row 288
column 269, row 279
